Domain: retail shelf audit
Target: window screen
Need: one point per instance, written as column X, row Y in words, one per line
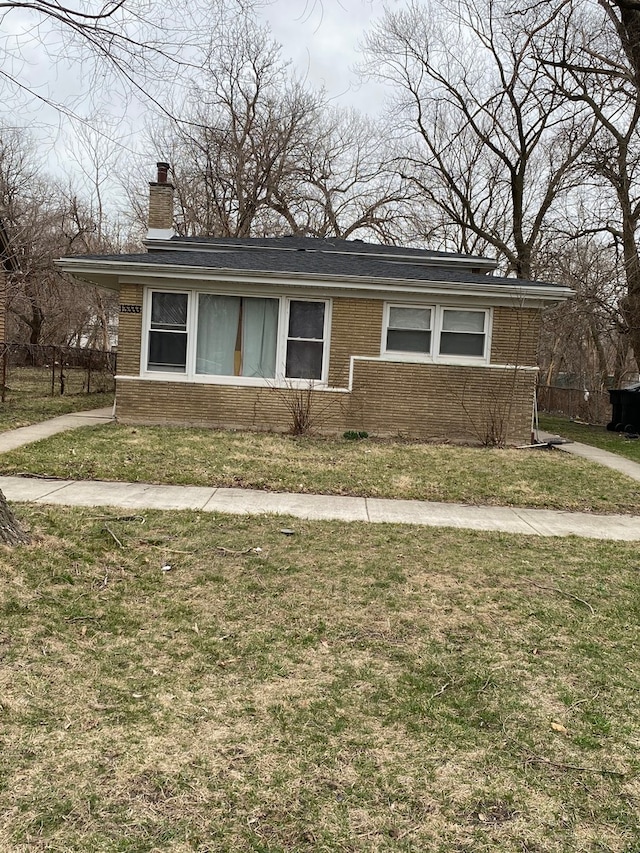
column 463, row 333
column 168, row 332
column 409, row 329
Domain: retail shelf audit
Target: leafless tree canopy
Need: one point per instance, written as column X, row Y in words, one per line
column 520, row 125
column 257, row 152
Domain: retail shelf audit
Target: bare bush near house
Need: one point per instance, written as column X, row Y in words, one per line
column 305, row 407
column 493, row 426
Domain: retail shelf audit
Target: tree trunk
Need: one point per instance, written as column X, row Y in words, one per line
column 11, row 532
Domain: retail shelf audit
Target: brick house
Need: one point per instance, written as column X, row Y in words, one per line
column 394, row 341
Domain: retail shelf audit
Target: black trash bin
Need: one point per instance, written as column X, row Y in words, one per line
column 625, row 404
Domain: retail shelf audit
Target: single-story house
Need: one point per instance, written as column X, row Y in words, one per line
column 388, row 340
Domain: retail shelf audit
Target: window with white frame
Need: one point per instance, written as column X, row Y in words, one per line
column 409, row 329
column 236, row 336
column 220, row 335
column 168, row 332
column 463, row 332
column 305, row 340
column 435, row 333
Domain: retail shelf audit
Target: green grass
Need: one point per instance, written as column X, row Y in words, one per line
column 533, row 478
column 597, row 436
column 347, row 688
column 28, row 397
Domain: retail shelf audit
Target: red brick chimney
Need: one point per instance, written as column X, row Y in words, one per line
column 161, row 206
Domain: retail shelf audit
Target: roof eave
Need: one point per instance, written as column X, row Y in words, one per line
column 110, row 273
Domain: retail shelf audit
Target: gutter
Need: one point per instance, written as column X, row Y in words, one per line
column 87, row 270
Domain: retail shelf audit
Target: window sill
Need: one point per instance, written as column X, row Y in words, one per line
column 236, row 381
column 451, row 360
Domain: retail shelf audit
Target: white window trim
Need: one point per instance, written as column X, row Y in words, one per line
column 146, row 326
column 279, row 381
column 434, row 356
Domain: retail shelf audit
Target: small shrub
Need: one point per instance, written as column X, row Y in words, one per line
column 355, row 435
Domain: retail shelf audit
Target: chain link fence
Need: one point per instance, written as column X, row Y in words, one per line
column 55, row 370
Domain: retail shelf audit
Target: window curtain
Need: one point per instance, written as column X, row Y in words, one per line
column 218, row 318
column 259, row 335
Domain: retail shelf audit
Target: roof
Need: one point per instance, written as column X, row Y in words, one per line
column 325, row 245
column 310, row 263
column 307, row 260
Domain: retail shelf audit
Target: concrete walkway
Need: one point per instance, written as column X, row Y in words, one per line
column 138, row 497
column 594, row 454
column 27, row 435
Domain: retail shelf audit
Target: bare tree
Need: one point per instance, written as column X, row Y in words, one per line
column 591, row 53
column 584, row 341
column 46, row 220
column 118, row 49
column 258, row 153
column 344, row 182
column 490, row 144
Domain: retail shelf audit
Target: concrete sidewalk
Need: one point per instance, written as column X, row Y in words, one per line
column 594, row 454
column 144, row 496
column 139, row 497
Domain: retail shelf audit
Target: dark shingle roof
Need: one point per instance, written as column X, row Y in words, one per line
column 329, row 245
column 313, row 263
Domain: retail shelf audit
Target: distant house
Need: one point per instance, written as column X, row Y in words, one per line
column 394, row 341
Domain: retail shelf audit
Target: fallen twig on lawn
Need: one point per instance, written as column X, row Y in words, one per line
column 562, row 592
column 171, row 550
column 582, row 701
column 140, row 518
column 441, row 691
column 229, row 553
column 31, row 476
column 538, row 759
column 115, row 538
column 83, row 618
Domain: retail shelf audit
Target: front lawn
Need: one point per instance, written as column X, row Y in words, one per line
column 23, row 409
column 598, row 436
column 211, row 684
column 535, row 478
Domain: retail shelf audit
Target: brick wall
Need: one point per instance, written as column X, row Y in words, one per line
column 130, row 330
column 225, row 406
column 356, row 326
column 515, row 336
column 160, row 205
column 414, row 400
column 436, row 401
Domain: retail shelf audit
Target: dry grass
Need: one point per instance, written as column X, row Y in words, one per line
column 29, row 398
column 598, row 436
column 390, row 469
column 347, row 688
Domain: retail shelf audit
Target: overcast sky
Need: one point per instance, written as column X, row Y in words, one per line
column 321, row 38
